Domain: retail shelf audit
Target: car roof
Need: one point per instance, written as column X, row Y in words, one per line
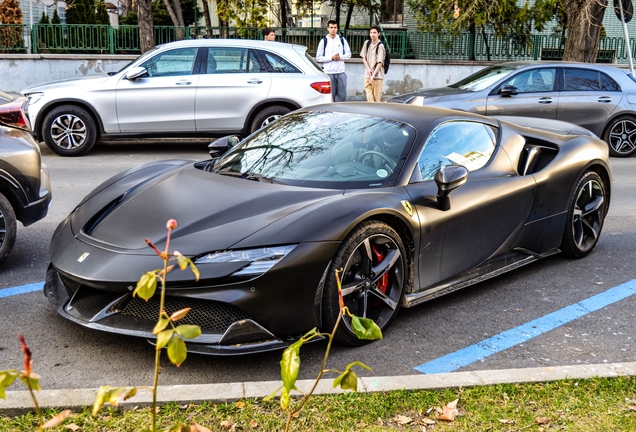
column 248, row 43
column 557, row 63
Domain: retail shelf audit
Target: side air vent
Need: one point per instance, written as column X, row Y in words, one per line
column 536, row 156
column 100, row 215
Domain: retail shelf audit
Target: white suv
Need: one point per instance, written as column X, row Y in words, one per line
column 202, row 87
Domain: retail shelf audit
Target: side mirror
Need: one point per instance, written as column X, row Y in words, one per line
column 222, row 145
column 508, row 90
column 136, row 72
column 449, row 178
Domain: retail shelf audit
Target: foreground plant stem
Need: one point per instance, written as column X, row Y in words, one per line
column 322, row 371
column 35, row 402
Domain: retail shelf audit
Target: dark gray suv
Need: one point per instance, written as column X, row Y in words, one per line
column 25, row 190
column 600, row 98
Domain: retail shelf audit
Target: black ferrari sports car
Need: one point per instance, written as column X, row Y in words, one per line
column 412, row 202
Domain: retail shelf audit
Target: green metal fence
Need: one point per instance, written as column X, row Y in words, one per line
column 105, row 39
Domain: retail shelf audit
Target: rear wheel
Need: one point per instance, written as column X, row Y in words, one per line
column 586, row 213
column 8, row 228
column 69, row 130
column 268, row 115
column 374, row 263
column 621, row 136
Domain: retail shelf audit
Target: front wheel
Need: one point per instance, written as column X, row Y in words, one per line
column 621, row 136
column 69, row 130
column 8, row 228
column 374, row 276
column 268, row 115
column 586, row 213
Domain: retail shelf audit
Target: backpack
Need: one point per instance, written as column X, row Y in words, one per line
column 387, row 57
column 324, row 44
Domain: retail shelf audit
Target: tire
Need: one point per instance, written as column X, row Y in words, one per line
column 586, row 214
column 620, row 136
column 268, row 115
column 69, row 130
column 8, row 228
column 366, row 293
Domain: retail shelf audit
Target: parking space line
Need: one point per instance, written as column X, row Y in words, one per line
column 509, row 338
column 8, row 292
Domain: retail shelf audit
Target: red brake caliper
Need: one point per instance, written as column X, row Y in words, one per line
column 378, row 256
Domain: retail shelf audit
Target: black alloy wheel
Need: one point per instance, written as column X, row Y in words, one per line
column 586, row 213
column 621, row 136
column 374, row 276
column 8, row 228
column 267, row 116
column 69, row 130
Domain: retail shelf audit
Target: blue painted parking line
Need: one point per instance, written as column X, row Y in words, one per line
column 509, row 338
column 8, row 292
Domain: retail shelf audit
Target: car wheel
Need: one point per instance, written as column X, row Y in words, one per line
column 268, row 115
column 7, row 228
column 621, row 136
column 374, row 275
column 586, row 213
column 69, row 130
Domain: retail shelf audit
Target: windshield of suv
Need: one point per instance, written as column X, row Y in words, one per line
column 322, row 149
column 483, row 79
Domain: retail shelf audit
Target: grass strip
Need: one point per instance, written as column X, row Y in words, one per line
column 599, row 404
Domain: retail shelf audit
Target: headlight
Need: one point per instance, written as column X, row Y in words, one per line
column 257, row 261
column 34, row 98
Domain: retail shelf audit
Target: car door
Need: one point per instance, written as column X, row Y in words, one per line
column 163, row 100
column 485, row 213
column 536, row 97
column 231, row 83
column 588, row 98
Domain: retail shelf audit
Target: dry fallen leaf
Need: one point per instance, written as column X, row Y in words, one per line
column 379, row 422
column 240, row 405
column 402, row 420
column 632, row 407
column 72, row 427
column 428, row 421
column 226, row 424
column 542, row 420
column 198, row 428
column 57, row 419
column 448, row 411
column 506, row 421
column 253, row 423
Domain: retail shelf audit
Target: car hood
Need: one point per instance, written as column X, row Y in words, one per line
column 68, row 82
column 433, row 95
column 213, row 212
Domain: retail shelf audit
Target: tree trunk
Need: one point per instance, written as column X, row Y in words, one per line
column 283, row 14
column 337, row 17
column 146, row 29
column 585, row 18
column 174, row 10
column 349, row 14
column 206, row 13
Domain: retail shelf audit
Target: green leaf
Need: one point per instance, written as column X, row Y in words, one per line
column 182, row 261
column 348, row 380
column 365, row 328
column 189, row 331
column 32, row 381
column 177, row 351
column 271, row 396
column 161, row 324
column 146, row 286
column 163, row 338
column 7, row 377
column 284, row 399
column 195, row 270
column 130, row 393
column 106, row 394
column 290, row 365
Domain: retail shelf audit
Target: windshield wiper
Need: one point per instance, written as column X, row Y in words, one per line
column 259, row 178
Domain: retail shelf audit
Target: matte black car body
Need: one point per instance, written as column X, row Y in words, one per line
column 515, row 209
column 601, row 98
column 25, row 191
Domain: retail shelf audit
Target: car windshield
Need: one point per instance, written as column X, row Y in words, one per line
column 483, row 79
column 322, row 149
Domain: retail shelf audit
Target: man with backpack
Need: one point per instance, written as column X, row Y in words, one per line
column 332, row 51
column 373, row 56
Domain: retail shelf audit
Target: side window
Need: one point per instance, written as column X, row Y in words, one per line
column 608, row 84
column 231, row 60
column 277, row 64
column 171, row 63
column 532, row 81
column 470, row 144
column 581, row 80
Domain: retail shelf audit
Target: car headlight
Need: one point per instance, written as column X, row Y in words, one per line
column 257, row 261
column 34, row 98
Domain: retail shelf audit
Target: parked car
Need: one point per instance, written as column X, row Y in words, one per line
column 25, row 191
column 412, row 202
column 202, row 87
column 600, row 98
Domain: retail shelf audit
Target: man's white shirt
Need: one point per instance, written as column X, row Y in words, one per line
column 334, row 46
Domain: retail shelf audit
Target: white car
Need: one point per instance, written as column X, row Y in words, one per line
column 202, row 87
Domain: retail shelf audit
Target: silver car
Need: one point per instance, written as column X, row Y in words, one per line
column 599, row 98
column 202, row 87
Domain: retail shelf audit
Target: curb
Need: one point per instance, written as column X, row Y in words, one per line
column 19, row 402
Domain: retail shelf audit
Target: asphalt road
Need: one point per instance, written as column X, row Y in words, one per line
column 69, row 356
